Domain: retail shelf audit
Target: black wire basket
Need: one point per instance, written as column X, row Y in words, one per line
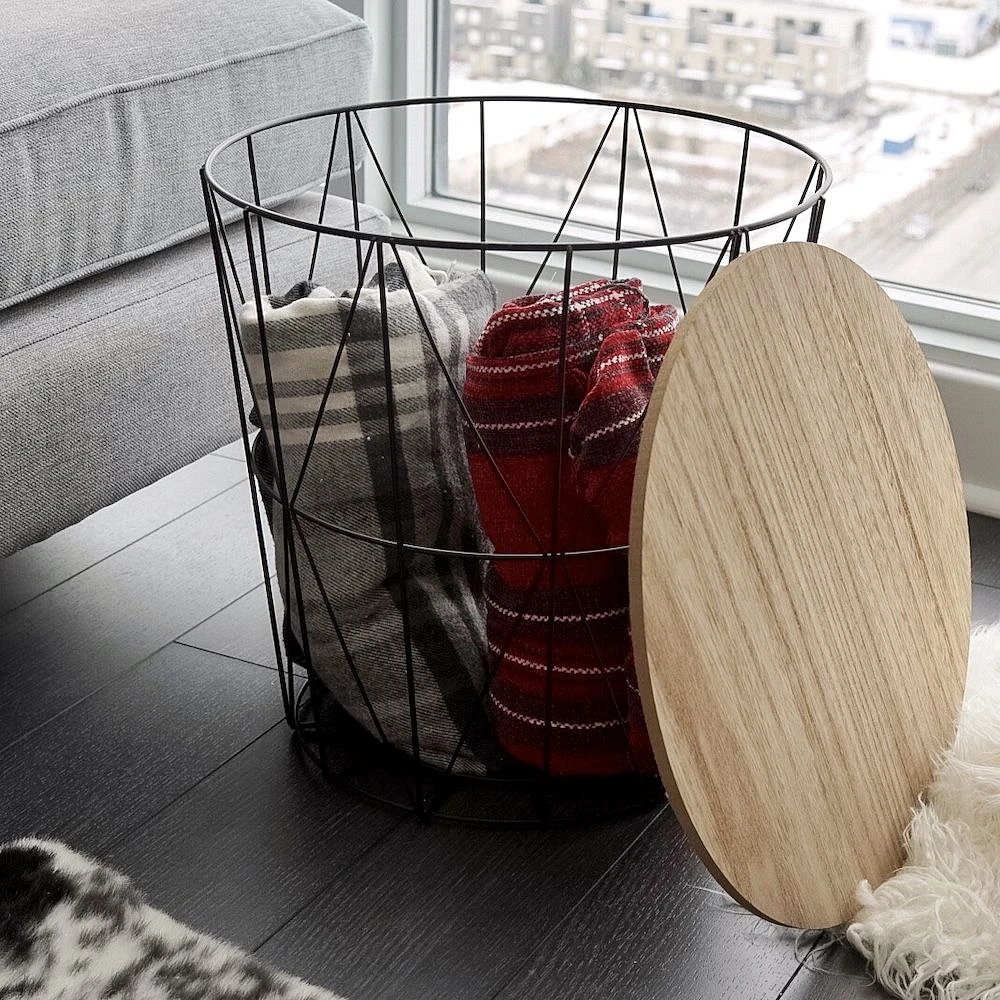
column 445, row 465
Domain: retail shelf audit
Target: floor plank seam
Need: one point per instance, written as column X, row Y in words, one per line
column 340, row 874
column 116, row 679
column 131, row 831
column 97, row 562
column 227, row 656
column 523, row 966
column 217, row 611
column 802, row 964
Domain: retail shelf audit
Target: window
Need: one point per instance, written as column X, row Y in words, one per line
column 785, row 36
column 698, row 21
column 942, row 273
column 948, row 173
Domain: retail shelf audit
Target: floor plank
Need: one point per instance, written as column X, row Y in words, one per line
column 445, row 911
column 36, row 569
column 985, row 605
column 247, row 848
column 984, row 539
column 657, row 926
column 98, row 772
column 234, row 451
column 75, row 638
column 243, row 629
column 836, row 972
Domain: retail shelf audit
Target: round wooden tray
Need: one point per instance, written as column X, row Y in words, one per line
column 800, row 580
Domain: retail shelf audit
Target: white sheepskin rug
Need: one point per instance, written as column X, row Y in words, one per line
column 932, row 931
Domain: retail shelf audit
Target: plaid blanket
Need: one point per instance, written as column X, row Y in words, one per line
column 359, row 598
column 560, row 637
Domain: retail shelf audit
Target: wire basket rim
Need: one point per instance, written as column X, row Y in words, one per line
column 570, row 246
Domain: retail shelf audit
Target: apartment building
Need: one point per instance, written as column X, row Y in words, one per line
column 945, row 27
column 511, row 39
column 785, row 58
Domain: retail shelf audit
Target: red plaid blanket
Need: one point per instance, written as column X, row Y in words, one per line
column 559, row 636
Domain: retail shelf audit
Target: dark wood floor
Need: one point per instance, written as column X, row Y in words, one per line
column 140, row 722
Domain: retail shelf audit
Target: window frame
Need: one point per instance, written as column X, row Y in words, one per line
column 952, row 328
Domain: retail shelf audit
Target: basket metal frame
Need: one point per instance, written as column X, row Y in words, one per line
column 422, row 789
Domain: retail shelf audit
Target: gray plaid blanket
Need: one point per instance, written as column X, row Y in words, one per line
column 354, row 592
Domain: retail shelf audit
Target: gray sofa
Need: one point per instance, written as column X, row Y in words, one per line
column 114, row 368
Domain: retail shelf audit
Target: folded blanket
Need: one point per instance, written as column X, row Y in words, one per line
column 604, row 443
column 355, row 592
column 577, row 690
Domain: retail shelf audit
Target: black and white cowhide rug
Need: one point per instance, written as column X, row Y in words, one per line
column 73, row 929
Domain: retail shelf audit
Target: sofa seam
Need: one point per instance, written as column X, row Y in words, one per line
column 107, row 264
column 134, row 86
column 125, row 305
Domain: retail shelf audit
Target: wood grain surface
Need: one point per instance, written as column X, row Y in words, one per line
column 90, row 629
column 252, row 843
column 446, row 911
column 133, row 747
column 32, row 571
column 657, row 927
column 241, row 629
column 800, row 580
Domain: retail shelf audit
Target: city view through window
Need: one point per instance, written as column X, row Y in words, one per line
column 901, row 97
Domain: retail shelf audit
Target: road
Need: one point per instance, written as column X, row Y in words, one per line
column 961, row 254
column 962, row 251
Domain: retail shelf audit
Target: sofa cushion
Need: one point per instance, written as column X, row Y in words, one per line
column 111, row 383
column 101, row 141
